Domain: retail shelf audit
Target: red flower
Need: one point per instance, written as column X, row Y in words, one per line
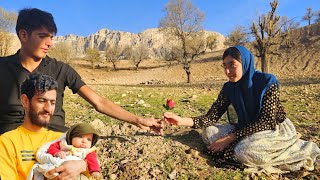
column 170, row 104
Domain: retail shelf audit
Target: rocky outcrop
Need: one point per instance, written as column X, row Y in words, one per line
column 152, row 39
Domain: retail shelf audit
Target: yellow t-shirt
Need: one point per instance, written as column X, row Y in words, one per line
column 17, row 151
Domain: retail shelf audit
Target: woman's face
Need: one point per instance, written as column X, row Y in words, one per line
column 232, row 68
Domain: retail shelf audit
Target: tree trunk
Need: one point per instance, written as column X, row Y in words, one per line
column 137, row 64
column 264, row 63
column 186, row 67
column 92, row 64
column 114, row 66
column 188, row 76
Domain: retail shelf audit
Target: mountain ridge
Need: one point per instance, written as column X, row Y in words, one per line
column 153, row 39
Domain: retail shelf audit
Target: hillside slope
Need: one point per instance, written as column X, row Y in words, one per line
column 300, row 60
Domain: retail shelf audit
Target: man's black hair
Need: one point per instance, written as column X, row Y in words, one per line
column 31, row 19
column 38, row 82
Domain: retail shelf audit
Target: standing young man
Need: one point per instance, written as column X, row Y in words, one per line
column 18, row 147
column 35, row 29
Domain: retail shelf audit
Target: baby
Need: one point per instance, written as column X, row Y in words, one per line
column 77, row 143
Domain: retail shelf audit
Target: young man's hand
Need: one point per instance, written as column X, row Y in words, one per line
column 152, row 124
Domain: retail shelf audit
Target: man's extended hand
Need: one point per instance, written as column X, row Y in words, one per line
column 152, row 124
column 69, row 169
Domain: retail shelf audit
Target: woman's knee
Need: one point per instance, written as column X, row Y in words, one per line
column 212, row 133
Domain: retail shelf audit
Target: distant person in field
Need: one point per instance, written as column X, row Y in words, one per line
column 35, row 29
column 18, row 146
column 76, row 144
column 262, row 137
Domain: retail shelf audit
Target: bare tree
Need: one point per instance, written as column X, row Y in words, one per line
column 182, row 20
column 93, row 56
column 7, row 24
column 238, row 36
column 171, row 54
column 5, row 43
column 63, row 52
column 136, row 55
column 112, row 54
column 196, row 45
column 139, row 54
column 308, row 16
column 128, row 52
column 288, row 24
column 7, row 20
column 212, row 42
column 317, row 14
column 267, row 34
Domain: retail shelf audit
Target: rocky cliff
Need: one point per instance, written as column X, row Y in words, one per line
column 152, row 39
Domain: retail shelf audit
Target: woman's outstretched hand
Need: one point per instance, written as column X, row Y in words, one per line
column 174, row 119
column 221, row 143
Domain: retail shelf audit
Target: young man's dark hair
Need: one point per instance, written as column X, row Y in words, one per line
column 33, row 18
column 38, row 83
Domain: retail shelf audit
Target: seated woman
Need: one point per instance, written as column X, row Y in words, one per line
column 262, row 139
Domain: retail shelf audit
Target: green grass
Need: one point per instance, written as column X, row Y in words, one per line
column 127, row 97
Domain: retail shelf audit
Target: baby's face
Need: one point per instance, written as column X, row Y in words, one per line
column 83, row 141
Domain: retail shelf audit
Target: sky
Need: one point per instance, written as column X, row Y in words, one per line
column 85, row 17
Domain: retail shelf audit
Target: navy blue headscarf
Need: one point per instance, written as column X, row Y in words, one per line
column 247, row 93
